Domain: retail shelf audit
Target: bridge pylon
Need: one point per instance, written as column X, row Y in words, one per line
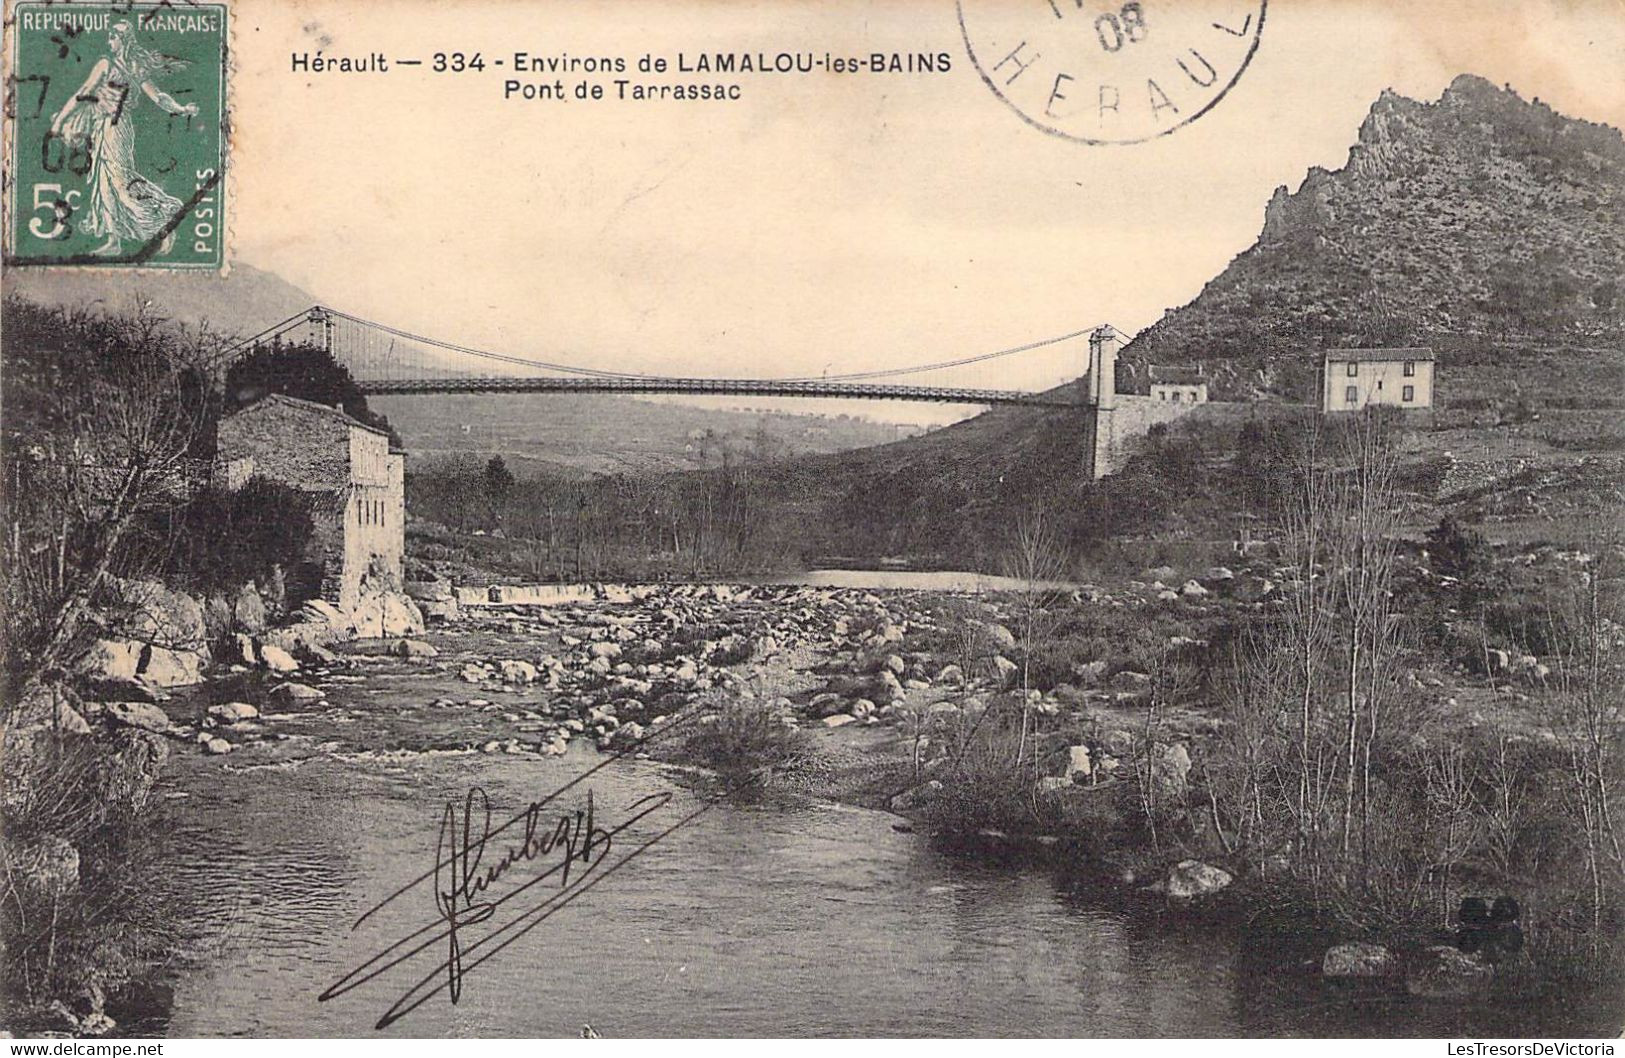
column 1105, row 342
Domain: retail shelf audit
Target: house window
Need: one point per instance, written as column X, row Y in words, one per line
column 1176, row 396
column 1354, row 369
column 1409, row 394
column 1162, row 395
column 1352, row 394
column 1410, row 369
column 1379, row 385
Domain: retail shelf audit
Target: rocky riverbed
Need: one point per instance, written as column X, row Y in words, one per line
column 878, row 683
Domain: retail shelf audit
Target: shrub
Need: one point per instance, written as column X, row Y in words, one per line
column 748, row 736
column 224, row 539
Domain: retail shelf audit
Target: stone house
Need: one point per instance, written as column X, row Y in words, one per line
column 1354, row 379
column 1178, row 387
column 357, row 485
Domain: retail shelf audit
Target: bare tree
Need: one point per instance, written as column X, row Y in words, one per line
column 116, row 417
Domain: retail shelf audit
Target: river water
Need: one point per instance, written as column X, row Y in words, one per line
column 751, row 919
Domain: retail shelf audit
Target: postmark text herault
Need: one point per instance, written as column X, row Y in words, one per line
column 1111, row 71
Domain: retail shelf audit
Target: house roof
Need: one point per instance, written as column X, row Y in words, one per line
column 1343, row 356
column 1164, row 377
column 312, row 407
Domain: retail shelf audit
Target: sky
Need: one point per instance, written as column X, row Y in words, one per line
column 822, row 223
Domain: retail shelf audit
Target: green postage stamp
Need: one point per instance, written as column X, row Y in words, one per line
column 117, row 146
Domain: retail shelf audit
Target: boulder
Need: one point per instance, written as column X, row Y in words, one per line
column 1129, row 680
column 152, row 613
column 110, row 659
column 136, row 761
column 951, row 676
column 1359, row 959
column 232, row 712
column 606, row 650
column 297, row 692
column 1192, row 590
column 838, row 720
column 278, row 660
column 1443, row 972
column 1006, row 670
column 888, row 687
column 1170, row 770
column 520, row 672
column 320, row 611
column 164, row 667
column 1089, row 673
column 401, row 616
column 49, row 708
column 217, row 747
column 413, row 648
column 1188, row 879
column 1078, row 762
column 1000, row 637
column 1053, row 783
column 140, row 715
column 248, row 611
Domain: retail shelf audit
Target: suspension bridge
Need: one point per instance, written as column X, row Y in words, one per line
column 385, row 360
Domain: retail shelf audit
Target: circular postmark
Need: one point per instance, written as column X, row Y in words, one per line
column 1111, row 71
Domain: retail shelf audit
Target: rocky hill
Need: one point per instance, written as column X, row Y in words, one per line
column 1481, row 224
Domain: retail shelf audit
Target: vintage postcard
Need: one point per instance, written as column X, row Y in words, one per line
column 935, row 519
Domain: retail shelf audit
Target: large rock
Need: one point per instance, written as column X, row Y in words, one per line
column 413, row 648
column 320, row 611
column 140, row 715
column 49, row 707
column 232, row 712
column 1078, row 762
column 1006, row 670
column 401, row 616
column 1129, row 680
column 111, row 659
column 297, row 692
column 278, row 660
column 521, row 672
column 134, row 765
column 1442, row 972
column 1170, row 771
column 1000, row 637
column 149, row 612
column 248, row 611
column 163, row 667
column 1359, row 959
column 1192, row 878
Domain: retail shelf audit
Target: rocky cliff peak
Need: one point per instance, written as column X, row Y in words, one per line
column 1480, row 217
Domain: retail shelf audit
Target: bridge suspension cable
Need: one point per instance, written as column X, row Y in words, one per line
column 316, row 313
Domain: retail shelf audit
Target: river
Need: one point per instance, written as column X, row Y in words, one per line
column 780, row 918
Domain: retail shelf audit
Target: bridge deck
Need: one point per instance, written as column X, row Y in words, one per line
column 753, row 387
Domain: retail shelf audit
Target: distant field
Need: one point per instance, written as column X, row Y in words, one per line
column 590, row 434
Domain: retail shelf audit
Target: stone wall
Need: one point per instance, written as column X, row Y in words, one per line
column 1119, row 431
column 288, row 444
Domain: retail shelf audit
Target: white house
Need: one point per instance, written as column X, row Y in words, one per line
column 1353, row 379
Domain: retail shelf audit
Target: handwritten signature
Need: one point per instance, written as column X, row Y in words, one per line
column 567, row 853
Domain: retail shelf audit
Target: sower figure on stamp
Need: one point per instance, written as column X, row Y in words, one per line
column 123, row 203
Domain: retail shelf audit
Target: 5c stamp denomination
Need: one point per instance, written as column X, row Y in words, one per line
column 118, row 134
column 1111, row 71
